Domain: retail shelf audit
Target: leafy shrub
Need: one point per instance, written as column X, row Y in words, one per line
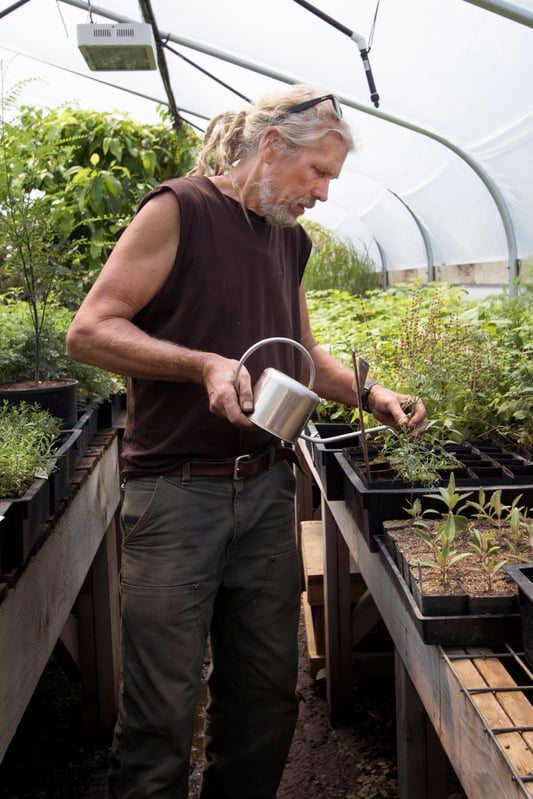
column 470, row 360
column 27, row 443
column 84, row 172
column 16, row 352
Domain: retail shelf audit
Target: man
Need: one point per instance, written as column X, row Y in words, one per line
column 210, row 265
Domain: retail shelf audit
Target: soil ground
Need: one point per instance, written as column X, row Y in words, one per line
column 49, row 758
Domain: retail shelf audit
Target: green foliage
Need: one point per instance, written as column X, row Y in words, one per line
column 17, row 353
column 439, row 537
column 509, row 323
column 417, row 460
column 487, row 552
column 27, row 443
column 470, row 360
column 81, row 175
column 70, row 181
column 335, row 264
column 34, row 237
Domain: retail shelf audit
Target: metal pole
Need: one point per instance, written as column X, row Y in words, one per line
column 509, row 10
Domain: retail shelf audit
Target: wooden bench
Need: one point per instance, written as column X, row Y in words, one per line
column 364, row 612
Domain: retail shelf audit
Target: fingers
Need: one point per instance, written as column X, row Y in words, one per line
column 414, row 415
column 225, row 398
column 244, row 392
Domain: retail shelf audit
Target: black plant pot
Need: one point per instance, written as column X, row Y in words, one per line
column 63, row 466
column 522, row 574
column 23, row 525
column 58, row 397
column 453, row 601
column 323, row 454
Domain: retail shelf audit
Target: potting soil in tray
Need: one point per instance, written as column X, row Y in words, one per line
column 385, row 496
column 455, row 630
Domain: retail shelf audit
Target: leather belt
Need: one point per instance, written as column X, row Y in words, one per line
column 240, row 467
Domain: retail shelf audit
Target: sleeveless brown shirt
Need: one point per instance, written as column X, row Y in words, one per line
column 234, row 282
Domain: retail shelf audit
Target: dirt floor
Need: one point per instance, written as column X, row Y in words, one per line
column 50, row 759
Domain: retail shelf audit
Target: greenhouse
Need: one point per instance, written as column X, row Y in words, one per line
column 408, row 465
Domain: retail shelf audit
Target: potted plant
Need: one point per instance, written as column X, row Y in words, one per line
column 35, row 246
column 29, row 438
column 470, row 541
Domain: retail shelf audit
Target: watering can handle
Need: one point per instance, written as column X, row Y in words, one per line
column 277, row 339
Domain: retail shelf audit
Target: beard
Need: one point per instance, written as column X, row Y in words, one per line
column 276, row 213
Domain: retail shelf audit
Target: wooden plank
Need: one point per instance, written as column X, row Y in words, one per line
column 313, row 561
column 499, row 710
column 312, row 545
column 35, row 611
column 317, row 660
column 303, row 500
column 68, row 643
column 515, row 703
column 365, row 616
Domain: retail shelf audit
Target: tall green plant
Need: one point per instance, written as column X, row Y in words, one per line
column 91, row 169
column 336, row 264
column 35, row 232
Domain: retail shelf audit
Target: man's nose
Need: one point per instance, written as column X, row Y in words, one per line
column 321, row 190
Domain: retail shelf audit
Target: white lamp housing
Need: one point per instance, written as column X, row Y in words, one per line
column 120, row 46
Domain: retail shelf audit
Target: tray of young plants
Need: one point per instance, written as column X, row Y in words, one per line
column 379, row 484
column 448, row 563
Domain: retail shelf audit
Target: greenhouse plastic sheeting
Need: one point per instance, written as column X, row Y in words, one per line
column 449, row 151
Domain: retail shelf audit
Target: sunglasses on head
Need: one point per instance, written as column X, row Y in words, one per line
column 296, row 109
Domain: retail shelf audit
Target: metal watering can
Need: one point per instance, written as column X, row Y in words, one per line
column 282, row 405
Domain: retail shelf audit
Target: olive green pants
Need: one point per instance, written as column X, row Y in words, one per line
column 207, row 556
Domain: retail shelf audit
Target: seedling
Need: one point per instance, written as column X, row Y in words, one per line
column 484, row 546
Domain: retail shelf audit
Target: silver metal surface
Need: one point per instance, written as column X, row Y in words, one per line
column 282, row 405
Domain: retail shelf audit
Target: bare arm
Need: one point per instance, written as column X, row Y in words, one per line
column 102, row 332
column 334, row 381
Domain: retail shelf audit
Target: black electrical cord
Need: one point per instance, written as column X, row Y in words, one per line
column 363, row 49
column 205, row 72
column 13, row 7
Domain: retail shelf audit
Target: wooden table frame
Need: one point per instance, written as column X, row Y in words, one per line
column 436, row 717
column 76, row 565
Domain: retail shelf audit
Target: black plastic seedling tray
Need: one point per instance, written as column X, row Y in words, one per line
column 323, row 455
column 385, row 497
column 471, row 629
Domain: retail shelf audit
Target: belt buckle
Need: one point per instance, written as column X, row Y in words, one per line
column 236, row 465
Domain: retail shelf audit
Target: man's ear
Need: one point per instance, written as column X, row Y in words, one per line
column 270, row 144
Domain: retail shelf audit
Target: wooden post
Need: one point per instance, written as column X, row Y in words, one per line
column 98, row 638
column 422, row 762
column 34, row 613
column 337, row 601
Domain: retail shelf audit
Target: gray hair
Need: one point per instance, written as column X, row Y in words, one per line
column 233, row 135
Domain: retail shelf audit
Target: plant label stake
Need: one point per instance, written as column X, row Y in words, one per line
column 360, row 369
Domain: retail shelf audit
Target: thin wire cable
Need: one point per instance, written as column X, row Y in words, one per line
column 373, row 27
column 205, row 72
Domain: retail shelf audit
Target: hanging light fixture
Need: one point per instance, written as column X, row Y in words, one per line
column 117, row 47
